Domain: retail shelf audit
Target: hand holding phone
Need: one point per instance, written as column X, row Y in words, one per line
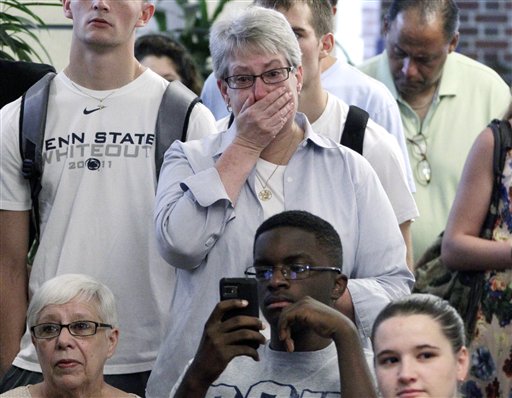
column 241, row 289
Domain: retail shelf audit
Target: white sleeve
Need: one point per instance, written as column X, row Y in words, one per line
column 201, row 123
column 14, row 188
column 383, row 153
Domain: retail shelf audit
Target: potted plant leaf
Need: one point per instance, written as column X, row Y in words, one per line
column 18, row 23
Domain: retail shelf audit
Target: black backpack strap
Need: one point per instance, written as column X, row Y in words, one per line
column 355, row 126
column 173, row 119
column 502, row 132
column 32, row 123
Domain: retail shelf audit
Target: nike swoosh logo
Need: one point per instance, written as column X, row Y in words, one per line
column 89, row 111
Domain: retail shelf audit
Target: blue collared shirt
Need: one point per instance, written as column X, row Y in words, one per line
column 205, row 237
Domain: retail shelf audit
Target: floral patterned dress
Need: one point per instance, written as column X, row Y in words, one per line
column 490, row 373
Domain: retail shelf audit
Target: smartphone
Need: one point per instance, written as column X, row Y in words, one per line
column 240, row 288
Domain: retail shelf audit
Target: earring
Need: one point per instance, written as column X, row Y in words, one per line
column 228, row 107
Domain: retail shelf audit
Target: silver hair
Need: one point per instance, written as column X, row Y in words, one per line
column 64, row 288
column 255, row 30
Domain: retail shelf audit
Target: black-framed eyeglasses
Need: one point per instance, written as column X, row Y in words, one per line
column 77, row 328
column 289, row 272
column 419, row 149
column 272, row 76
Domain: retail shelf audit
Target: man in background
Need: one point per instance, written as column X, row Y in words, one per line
column 445, row 100
column 311, row 21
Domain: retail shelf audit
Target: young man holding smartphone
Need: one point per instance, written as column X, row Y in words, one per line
column 297, row 264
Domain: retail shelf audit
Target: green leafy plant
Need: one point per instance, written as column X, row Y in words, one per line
column 19, row 22
column 195, row 35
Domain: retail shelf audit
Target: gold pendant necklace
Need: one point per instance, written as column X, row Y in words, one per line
column 265, row 193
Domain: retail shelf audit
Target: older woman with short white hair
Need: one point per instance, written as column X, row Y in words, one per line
column 73, row 323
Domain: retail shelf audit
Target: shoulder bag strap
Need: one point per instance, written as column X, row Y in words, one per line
column 173, row 119
column 355, row 126
column 34, row 104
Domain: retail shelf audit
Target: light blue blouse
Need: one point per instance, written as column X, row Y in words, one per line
column 205, row 237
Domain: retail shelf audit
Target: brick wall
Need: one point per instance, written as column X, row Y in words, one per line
column 485, row 33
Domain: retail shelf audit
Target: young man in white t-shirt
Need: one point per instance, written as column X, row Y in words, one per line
column 97, row 197
column 314, row 349
column 311, row 21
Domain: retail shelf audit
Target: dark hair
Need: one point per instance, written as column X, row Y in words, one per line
column 321, row 12
column 161, row 45
column 447, row 9
column 325, row 234
column 426, row 304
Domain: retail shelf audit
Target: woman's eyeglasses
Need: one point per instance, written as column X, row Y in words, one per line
column 272, row 76
column 78, row 328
